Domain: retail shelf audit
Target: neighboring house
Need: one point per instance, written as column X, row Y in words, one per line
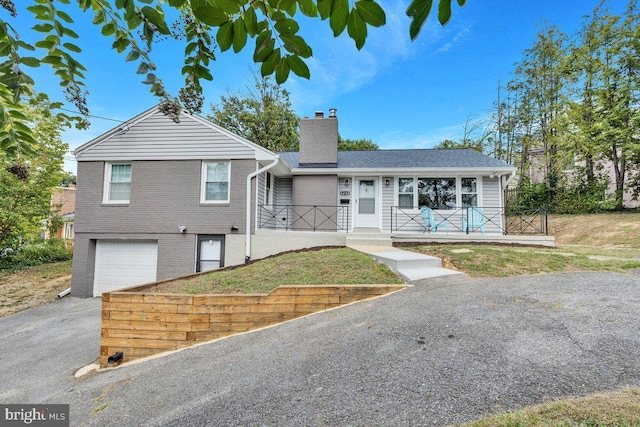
column 63, row 203
column 159, row 199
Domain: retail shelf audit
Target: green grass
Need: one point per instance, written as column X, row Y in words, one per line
column 322, row 267
column 504, row 261
column 617, row 409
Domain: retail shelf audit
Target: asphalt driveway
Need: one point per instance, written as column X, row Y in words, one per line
column 445, row 351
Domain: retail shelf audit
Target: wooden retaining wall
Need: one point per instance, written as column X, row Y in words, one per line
column 141, row 325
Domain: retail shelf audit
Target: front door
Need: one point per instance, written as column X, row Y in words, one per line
column 366, row 203
column 210, row 252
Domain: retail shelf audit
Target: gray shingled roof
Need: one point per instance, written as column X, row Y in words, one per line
column 415, row 158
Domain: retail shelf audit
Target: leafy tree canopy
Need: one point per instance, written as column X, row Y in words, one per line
column 361, row 144
column 447, row 143
column 134, row 26
column 263, row 115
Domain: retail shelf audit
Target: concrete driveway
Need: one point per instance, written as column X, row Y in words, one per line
column 448, row 350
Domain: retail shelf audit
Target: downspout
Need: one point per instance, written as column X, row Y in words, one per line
column 247, row 255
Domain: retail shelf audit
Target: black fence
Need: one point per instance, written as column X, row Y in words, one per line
column 303, row 218
column 468, row 220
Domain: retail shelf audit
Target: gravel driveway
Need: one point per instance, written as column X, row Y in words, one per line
column 447, row 350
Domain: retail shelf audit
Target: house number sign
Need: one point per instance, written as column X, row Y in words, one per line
column 345, row 193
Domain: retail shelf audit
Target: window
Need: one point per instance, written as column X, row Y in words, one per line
column 118, row 183
column 437, row 193
column 469, row 191
column 68, row 230
column 405, row 193
column 215, row 182
column 267, row 190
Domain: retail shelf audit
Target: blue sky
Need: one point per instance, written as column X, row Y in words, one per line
column 400, row 94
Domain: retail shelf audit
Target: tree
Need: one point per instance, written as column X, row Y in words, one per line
column 447, row 143
column 263, row 115
column 361, row 144
column 203, row 25
column 27, row 180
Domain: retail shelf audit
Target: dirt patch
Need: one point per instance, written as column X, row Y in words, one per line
column 33, row 287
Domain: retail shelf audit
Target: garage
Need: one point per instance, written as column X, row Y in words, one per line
column 124, row 263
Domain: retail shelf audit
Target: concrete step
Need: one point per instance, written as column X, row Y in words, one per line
column 398, row 260
column 411, row 274
column 368, row 239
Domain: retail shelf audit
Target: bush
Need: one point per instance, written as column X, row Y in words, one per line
column 35, row 253
column 583, row 198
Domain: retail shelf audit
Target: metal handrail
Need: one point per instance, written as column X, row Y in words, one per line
column 304, row 217
column 498, row 219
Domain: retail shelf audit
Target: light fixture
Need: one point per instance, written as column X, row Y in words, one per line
column 182, row 228
column 346, row 182
column 387, row 181
column 234, row 228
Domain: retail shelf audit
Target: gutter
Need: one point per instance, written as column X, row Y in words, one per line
column 247, row 254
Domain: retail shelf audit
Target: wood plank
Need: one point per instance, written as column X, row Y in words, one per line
column 146, row 326
column 162, row 298
column 148, row 334
column 138, row 343
column 143, row 307
column 118, row 297
column 160, row 317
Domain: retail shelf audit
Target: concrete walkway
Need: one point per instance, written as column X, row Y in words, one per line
column 410, row 265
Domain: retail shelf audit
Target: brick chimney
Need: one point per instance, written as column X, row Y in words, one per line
column 319, row 141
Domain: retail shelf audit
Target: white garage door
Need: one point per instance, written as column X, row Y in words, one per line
column 124, row 263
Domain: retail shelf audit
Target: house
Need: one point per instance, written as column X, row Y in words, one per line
column 159, row 199
column 63, row 203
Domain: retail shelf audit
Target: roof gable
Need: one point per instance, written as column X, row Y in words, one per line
column 154, row 136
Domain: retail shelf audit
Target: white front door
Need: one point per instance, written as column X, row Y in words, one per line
column 366, row 203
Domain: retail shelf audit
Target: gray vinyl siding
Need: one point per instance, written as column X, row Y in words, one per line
column 491, row 203
column 388, row 200
column 164, row 196
column 157, row 137
column 283, row 194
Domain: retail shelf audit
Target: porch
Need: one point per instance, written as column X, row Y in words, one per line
column 407, row 225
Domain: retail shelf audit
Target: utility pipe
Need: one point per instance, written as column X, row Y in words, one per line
column 247, row 255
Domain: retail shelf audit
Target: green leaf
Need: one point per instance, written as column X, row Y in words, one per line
column 176, row 3
column 444, row 11
column 419, row 10
column 151, row 79
column 30, row 61
column 269, row 65
column 228, row 6
column 251, row 22
column 462, row 2
column 156, row 17
column 308, row 8
column 278, row 15
column 324, row 8
column 72, row 47
column 64, row 16
column 287, row 26
column 282, row 72
column 286, row 4
column 69, row 32
column 357, row 28
column 224, row 36
column 108, row 29
column 298, row 66
column 339, row 16
column 239, row 35
column 133, row 55
column 142, row 68
column 42, row 28
column 296, row 45
column 99, row 17
column 210, row 15
column 371, row 13
column 264, row 46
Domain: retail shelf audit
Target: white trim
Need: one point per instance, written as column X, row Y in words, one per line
column 424, row 172
column 457, row 177
column 203, row 183
column 106, row 187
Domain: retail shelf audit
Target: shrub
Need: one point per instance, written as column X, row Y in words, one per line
column 35, row 253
